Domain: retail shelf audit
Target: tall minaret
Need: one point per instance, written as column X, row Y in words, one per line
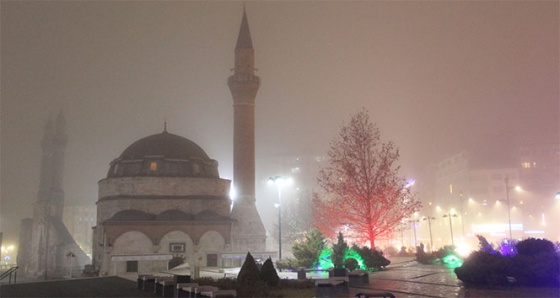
column 41, row 236
column 50, row 199
column 249, row 232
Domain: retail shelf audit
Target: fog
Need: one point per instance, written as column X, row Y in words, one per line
column 435, row 76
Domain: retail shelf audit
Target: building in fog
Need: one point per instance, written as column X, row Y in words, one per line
column 479, row 184
column 46, row 248
column 79, row 220
column 164, row 202
column 162, row 198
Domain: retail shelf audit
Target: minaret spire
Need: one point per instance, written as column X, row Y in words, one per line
column 244, row 40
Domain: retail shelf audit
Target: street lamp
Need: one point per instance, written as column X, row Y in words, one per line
column 414, row 221
column 462, row 214
column 279, row 181
column 429, row 219
column 507, row 202
column 451, row 225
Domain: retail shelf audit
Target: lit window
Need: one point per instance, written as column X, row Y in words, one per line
column 153, row 166
column 196, row 169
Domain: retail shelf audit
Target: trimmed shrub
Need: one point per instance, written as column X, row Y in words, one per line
column 290, row 264
column 249, row 272
column 536, row 264
column 484, row 268
column 534, row 247
column 268, row 274
column 373, row 258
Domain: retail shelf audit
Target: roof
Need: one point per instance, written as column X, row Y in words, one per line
column 165, row 144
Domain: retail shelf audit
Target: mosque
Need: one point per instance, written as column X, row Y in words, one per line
column 163, row 201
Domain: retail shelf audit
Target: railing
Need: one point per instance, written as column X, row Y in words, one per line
column 8, row 273
column 244, row 78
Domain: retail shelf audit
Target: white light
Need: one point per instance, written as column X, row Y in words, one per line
column 463, row 249
column 232, row 193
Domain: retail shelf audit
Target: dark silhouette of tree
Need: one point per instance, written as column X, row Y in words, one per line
column 338, row 251
column 269, row 274
column 361, row 185
column 249, row 273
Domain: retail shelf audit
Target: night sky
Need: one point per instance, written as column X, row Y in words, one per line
column 434, row 75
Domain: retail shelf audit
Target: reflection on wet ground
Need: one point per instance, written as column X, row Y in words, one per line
column 410, row 279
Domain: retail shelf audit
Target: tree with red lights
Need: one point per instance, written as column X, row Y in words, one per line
column 361, row 187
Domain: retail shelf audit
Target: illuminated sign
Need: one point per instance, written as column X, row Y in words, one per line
column 495, row 228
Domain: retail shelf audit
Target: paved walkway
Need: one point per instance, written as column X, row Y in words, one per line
column 410, row 279
column 404, row 278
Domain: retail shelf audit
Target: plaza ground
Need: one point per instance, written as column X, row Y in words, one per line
column 404, row 278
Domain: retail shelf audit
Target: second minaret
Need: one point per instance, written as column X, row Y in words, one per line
column 249, row 232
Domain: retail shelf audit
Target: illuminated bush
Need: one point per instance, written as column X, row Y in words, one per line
column 373, row 259
column 536, row 264
column 484, row 268
column 307, row 251
column 534, row 247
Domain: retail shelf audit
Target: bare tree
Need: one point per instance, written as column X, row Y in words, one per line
column 362, row 189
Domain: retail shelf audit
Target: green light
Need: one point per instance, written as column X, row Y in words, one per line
column 325, row 260
column 452, row 261
column 352, row 254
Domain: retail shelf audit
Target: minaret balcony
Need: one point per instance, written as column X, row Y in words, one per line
column 244, row 78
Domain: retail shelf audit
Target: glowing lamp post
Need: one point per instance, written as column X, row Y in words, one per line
column 517, row 188
column 414, row 222
column 279, row 181
column 451, row 225
column 429, row 219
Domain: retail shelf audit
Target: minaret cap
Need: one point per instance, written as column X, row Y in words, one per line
column 244, row 38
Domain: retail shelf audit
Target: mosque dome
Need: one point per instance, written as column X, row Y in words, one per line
column 166, row 155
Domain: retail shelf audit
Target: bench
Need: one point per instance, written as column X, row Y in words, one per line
column 206, row 291
column 145, row 282
column 160, row 282
column 185, row 289
column 167, row 288
column 332, row 287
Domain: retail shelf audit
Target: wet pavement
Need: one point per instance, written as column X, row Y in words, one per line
column 410, row 279
column 403, row 278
